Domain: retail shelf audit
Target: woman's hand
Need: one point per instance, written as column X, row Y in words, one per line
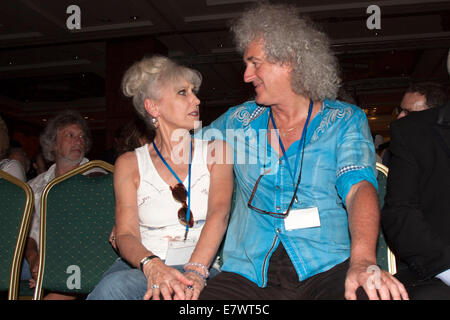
column 193, row 292
column 164, row 280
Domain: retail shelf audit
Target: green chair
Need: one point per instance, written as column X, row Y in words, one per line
column 16, row 199
column 385, row 257
column 77, row 216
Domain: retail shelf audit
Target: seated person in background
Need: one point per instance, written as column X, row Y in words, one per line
column 306, row 219
column 65, row 140
column 17, row 153
column 416, row 214
column 422, row 96
column 418, row 97
column 11, row 166
column 134, row 134
column 158, row 184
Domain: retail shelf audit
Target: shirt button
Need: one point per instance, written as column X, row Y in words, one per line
column 278, row 207
column 277, row 187
column 278, row 230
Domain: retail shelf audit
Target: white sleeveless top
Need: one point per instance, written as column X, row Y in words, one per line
column 158, row 210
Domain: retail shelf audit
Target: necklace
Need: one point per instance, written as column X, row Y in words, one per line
column 286, row 131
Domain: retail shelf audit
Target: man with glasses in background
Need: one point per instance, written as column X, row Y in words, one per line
column 306, row 218
column 420, row 97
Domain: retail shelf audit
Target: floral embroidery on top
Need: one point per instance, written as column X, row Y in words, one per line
column 241, row 114
column 329, row 117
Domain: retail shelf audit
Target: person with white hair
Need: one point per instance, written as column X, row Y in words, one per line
column 65, row 141
column 172, row 194
column 306, row 220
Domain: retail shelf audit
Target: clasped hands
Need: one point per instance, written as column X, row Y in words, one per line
column 169, row 283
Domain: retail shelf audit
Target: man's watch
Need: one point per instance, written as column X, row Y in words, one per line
column 145, row 261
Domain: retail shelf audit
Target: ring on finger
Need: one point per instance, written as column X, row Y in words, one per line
column 155, row 286
column 190, row 287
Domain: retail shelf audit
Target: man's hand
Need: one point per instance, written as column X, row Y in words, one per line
column 378, row 284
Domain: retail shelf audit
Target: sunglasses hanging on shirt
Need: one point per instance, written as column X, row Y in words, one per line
column 180, row 193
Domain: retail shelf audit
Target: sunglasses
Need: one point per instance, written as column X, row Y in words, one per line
column 179, row 193
column 273, row 214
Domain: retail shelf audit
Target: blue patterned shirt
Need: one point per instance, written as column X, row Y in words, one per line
column 338, row 153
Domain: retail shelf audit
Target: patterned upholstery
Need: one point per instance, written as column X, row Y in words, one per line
column 385, row 258
column 78, row 221
column 16, row 200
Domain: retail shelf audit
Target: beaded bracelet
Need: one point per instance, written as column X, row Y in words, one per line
column 197, row 273
column 196, row 264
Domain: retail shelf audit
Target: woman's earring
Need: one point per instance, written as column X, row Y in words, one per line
column 155, row 122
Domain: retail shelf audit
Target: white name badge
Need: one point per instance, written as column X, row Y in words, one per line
column 179, row 252
column 302, row 218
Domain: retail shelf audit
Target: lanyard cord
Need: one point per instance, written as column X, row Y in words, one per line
column 188, row 214
column 301, row 145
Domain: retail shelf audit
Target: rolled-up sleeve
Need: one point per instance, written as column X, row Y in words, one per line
column 355, row 154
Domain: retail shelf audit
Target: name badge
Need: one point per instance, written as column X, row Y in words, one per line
column 302, row 218
column 179, row 252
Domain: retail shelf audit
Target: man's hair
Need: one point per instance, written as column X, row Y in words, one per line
column 291, row 39
column 435, row 94
column 61, row 120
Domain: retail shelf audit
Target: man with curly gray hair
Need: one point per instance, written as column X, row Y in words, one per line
column 305, row 221
column 65, row 140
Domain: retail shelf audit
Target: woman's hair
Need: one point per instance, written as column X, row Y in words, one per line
column 4, row 139
column 291, row 39
column 145, row 79
column 61, row 120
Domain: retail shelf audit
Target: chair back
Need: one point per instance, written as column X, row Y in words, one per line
column 77, row 216
column 385, row 257
column 16, row 205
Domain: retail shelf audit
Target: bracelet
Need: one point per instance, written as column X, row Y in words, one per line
column 198, row 274
column 145, row 260
column 196, row 264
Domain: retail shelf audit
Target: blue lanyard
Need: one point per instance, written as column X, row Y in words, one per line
column 188, row 215
column 300, row 142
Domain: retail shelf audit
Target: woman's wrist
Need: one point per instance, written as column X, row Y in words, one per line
column 146, row 260
column 198, row 267
column 198, row 274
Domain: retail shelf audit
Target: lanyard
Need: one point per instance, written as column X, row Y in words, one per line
column 299, row 145
column 188, row 214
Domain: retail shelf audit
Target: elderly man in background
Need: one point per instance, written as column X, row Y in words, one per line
column 65, row 140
